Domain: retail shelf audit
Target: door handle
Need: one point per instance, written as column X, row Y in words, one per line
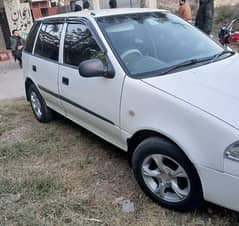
column 65, row 81
column 34, row 68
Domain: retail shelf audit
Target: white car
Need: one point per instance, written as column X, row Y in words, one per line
column 151, row 84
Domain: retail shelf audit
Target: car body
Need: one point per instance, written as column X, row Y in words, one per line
column 191, row 107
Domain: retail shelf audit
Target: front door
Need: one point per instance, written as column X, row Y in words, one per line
column 93, row 102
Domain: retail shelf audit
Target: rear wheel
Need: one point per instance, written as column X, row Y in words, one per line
column 166, row 175
column 39, row 107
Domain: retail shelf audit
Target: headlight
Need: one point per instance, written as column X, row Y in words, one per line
column 232, row 152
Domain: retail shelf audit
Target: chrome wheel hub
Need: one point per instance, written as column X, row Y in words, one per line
column 166, row 178
column 36, row 104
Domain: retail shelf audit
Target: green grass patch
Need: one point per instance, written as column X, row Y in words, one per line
column 21, row 150
column 32, row 188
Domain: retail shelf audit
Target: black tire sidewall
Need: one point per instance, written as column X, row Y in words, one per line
column 156, row 145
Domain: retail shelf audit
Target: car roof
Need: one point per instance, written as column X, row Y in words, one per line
column 103, row 13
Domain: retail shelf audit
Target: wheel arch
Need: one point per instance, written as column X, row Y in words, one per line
column 141, row 135
column 28, row 83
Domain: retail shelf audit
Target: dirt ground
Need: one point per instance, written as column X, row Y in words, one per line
column 11, row 80
column 61, row 174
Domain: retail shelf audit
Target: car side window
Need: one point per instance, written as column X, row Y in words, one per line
column 31, row 37
column 80, row 45
column 48, row 41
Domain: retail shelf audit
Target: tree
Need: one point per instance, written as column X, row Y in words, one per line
column 143, row 3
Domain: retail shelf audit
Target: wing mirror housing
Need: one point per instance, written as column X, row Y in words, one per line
column 96, row 68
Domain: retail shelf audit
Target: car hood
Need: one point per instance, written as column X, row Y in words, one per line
column 213, row 88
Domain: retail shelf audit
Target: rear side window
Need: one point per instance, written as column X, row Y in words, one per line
column 80, row 45
column 48, row 41
column 31, row 37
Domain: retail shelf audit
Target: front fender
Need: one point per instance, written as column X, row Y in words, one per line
column 202, row 137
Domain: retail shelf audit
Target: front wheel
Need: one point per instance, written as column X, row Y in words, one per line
column 39, row 107
column 166, row 175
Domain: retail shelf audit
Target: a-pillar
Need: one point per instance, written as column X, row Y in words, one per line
column 96, row 4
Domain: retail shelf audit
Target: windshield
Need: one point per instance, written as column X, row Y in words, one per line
column 147, row 43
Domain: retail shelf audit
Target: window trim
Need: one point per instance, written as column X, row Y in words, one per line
column 87, row 23
column 57, row 20
column 33, row 46
column 46, row 58
column 65, row 21
column 91, row 27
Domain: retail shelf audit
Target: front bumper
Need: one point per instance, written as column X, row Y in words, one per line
column 220, row 188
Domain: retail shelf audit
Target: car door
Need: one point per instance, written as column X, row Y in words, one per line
column 92, row 102
column 44, row 63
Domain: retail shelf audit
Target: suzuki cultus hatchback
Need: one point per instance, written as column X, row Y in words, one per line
column 151, row 84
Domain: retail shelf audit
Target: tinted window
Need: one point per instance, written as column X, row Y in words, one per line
column 80, row 45
column 31, row 37
column 48, row 41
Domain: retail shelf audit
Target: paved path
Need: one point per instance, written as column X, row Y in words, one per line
column 11, row 80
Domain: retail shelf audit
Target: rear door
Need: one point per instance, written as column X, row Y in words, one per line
column 44, row 64
column 27, row 53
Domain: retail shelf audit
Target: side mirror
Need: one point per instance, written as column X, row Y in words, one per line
column 95, row 68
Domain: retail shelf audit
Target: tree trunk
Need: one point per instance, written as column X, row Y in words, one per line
column 142, row 3
column 96, row 4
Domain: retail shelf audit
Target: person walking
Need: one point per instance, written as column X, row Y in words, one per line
column 204, row 18
column 17, row 46
column 113, row 4
column 185, row 11
column 86, row 5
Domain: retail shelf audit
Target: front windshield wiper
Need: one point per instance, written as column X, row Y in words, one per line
column 224, row 52
column 190, row 62
column 185, row 64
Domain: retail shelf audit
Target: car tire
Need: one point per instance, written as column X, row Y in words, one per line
column 38, row 104
column 166, row 175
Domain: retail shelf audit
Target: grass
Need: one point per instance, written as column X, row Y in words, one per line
column 33, row 188
column 60, row 174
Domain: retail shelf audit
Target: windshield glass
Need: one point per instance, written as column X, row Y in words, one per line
column 147, row 43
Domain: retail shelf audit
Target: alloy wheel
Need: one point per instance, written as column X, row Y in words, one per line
column 36, row 104
column 166, row 178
